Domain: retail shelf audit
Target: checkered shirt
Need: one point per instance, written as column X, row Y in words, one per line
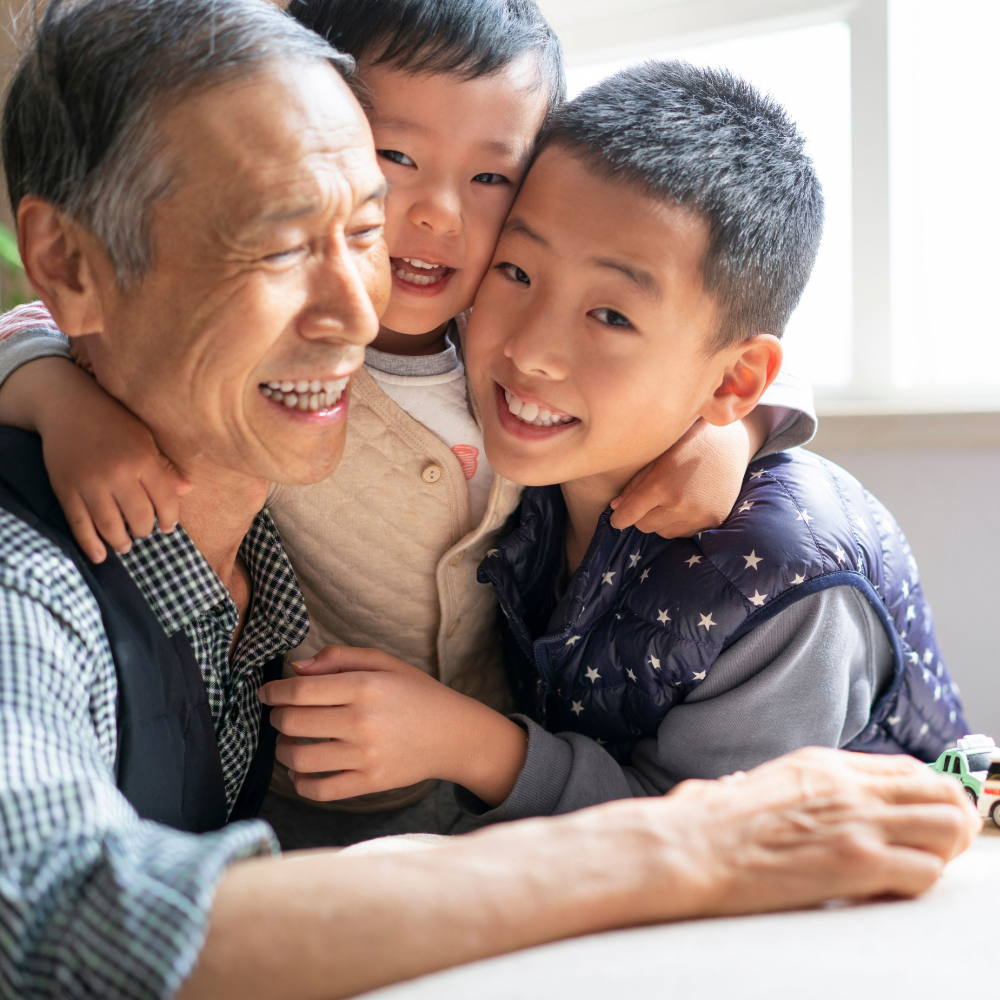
column 95, row 902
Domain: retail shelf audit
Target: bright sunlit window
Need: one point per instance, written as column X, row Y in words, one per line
column 945, row 211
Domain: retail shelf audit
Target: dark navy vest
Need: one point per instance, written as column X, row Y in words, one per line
column 167, row 764
column 644, row 618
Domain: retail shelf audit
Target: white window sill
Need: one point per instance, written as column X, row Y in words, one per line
column 908, row 422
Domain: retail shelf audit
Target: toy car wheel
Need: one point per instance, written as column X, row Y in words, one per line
column 995, row 812
column 972, row 795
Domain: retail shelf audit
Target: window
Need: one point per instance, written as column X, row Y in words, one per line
column 897, row 100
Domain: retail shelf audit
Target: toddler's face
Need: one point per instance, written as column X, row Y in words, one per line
column 587, row 346
column 454, row 152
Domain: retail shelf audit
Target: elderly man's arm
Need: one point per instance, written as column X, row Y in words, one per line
column 815, row 825
column 93, row 900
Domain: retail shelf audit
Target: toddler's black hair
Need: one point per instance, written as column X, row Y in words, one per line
column 468, row 38
column 706, row 139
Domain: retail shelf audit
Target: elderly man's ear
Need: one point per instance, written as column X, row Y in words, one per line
column 68, row 268
column 748, row 368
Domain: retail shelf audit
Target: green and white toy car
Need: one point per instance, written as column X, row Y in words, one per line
column 975, row 762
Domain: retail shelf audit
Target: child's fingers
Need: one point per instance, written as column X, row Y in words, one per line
column 164, row 486
column 339, row 659
column 109, row 521
column 82, row 526
column 635, row 501
column 137, row 509
column 344, row 785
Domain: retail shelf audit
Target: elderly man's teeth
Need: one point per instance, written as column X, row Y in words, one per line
column 308, row 396
column 532, row 413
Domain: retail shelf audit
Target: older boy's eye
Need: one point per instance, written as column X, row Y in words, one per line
column 514, row 273
column 490, row 179
column 396, row 156
column 611, row 318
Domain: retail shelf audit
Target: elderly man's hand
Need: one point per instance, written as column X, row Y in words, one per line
column 811, row 826
column 385, row 724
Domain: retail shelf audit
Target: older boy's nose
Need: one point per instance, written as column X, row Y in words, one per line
column 535, row 348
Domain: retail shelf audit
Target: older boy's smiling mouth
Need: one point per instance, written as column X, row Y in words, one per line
column 528, row 418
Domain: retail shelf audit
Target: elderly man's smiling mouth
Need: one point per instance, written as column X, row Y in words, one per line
column 319, row 396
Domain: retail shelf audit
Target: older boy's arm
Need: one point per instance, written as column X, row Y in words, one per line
column 813, row 826
column 807, row 677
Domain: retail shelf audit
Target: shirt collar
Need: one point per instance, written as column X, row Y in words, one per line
column 180, row 586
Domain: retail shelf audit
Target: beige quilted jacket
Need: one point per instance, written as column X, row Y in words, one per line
column 386, row 557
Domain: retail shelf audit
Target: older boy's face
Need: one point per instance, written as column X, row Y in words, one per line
column 270, row 269
column 454, row 152
column 587, row 344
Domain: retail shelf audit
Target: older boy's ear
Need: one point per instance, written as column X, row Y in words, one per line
column 64, row 264
column 750, row 367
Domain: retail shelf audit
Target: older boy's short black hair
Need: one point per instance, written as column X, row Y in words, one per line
column 469, row 38
column 706, row 139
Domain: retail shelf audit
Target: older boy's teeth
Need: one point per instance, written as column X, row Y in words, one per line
column 286, row 386
column 532, row 413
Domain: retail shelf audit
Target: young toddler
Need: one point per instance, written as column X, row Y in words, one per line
column 386, row 550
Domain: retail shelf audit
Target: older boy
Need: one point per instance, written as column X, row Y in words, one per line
column 639, row 661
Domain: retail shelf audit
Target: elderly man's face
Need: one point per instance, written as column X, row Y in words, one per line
column 270, row 268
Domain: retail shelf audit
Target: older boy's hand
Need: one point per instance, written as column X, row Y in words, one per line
column 692, row 487
column 387, row 724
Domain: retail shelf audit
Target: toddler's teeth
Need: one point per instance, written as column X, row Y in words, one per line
column 291, row 400
column 315, row 385
column 528, row 412
column 274, row 385
column 544, row 415
column 516, row 406
column 314, row 402
column 286, row 386
column 302, row 386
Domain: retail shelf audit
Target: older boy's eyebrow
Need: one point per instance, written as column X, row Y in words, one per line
column 519, row 226
column 640, row 278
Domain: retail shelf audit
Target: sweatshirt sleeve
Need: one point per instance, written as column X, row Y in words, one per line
column 807, row 677
column 26, row 334
column 793, row 413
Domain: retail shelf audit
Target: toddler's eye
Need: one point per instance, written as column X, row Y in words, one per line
column 610, row 318
column 514, row 273
column 396, row 156
column 490, row 179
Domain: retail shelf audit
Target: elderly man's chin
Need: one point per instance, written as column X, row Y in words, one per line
column 297, row 447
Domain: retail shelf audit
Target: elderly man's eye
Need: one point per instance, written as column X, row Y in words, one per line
column 490, row 179
column 284, row 255
column 396, row 156
column 514, row 273
column 611, row 318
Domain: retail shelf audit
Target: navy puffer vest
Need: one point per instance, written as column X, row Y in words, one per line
column 644, row 618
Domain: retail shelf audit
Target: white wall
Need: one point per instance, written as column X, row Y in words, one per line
column 944, row 501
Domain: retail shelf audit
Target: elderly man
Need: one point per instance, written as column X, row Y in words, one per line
column 198, row 202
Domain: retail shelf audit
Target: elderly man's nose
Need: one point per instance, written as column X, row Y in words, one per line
column 439, row 213
column 340, row 308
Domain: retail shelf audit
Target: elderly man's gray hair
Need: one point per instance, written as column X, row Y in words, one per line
column 97, row 76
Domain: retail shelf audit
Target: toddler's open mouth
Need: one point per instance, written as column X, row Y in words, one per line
column 420, row 276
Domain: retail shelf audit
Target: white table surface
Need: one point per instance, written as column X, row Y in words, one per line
column 945, row 944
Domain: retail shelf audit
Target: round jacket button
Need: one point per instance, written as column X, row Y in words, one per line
column 457, row 558
column 454, row 627
column 431, row 474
